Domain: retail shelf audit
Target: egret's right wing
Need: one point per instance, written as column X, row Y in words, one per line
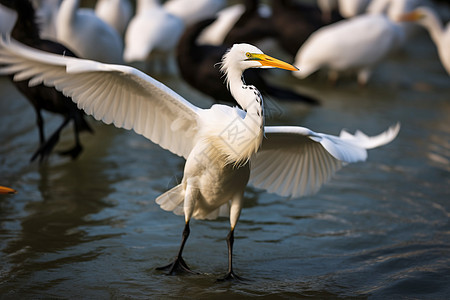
column 116, row 94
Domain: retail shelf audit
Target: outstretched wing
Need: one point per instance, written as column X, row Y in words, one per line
column 296, row 161
column 114, row 94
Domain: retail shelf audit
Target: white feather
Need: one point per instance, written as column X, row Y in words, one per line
column 295, row 161
column 291, row 161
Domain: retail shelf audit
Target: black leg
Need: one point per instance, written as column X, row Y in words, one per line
column 45, row 149
column 179, row 265
column 230, row 274
column 76, row 150
column 40, row 124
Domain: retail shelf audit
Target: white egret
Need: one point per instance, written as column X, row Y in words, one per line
column 440, row 35
column 326, row 7
column 394, row 8
column 41, row 97
column 357, row 44
column 248, row 21
column 194, row 11
column 295, row 21
column 226, row 18
column 351, row 8
column 86, row 34
column 7, row 19
column 116, row 13
column 46, row 13
column 224, row 146
column 152, row 29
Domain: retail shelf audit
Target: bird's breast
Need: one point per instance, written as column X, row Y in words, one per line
column 230, row 135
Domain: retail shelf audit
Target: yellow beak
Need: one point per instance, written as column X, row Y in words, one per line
column 6, row 190
column 268, row 61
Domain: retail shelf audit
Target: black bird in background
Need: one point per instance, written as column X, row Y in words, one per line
column 26, row 30
column 294, row 22
column 251, row 27
column 198, row 67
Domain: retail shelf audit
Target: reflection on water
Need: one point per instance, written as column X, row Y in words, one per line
column 90, row 228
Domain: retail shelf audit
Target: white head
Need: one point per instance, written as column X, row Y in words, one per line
column 241, row 57
column 237, row 57
column 244, row 56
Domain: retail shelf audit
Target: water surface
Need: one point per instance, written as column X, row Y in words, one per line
column 90, row 228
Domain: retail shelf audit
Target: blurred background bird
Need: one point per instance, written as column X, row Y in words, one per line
column 46, row 14
column 254, row 25
column 26, row 30
column 429, row 19
column 295, row 21
column 116, row 13
column 86, row 34
column 358, row 44
column 192, row 12
column 7, row 19
column 354, row 45
column 155, row 32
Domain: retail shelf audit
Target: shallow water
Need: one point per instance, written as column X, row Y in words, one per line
column 90, row 228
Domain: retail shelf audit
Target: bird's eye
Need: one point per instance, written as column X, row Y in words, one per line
column 248, row 54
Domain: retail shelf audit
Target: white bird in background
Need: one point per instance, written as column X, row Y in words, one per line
column 440, row 35
column 394, row 8
column 8, row 18
column 326, row 7
column 357, row 44
column 116, row 13
column 47, row 12
column 224, row 147
column 86, row 34
column 215, row 33
column 152, row 29
column 194, row 11
column 351, row 8
column 227, row 19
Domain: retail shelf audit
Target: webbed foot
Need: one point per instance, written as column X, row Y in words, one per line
column 73, row 153
column 176, row 267
column 231, row 276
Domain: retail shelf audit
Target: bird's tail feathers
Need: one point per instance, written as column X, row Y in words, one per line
column 172, row 200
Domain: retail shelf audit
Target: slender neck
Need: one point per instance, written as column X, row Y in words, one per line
column 434, row 26
column 144, row 5
column 250, row 99
column 68, row 10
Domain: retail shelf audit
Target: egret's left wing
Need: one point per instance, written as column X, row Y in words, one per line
column 116, row 94
column 296, row 161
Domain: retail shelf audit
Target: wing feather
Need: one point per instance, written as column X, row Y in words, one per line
column 295, row 161
column 114, row 94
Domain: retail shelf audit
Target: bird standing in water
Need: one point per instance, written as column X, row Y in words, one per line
column 225, row 147
column 439, row 33
column 40, row 96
